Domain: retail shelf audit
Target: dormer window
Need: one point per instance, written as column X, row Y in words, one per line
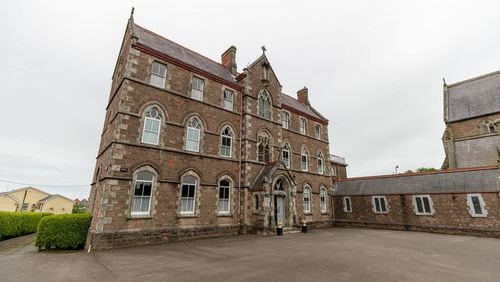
column 158, row 75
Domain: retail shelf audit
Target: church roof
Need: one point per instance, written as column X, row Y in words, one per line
column 298, row 106
column 474, row 97
column 472, row 180
column 168, row 47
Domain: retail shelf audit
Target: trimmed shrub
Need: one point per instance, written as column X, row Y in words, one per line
column 63, row 231
column 15, row 224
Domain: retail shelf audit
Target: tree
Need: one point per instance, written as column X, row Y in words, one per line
column 426, row 169
column 78, row 208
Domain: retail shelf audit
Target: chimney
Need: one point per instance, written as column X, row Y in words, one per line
column 228, row 59
column 303, row 97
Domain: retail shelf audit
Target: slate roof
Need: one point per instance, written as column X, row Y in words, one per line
column 295, row 104
column 474, row 97
column 181, row 53
column 50, row 197
column 266, row 170
column 459, row 181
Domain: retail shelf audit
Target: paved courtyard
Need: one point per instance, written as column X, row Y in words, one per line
column 321, row 255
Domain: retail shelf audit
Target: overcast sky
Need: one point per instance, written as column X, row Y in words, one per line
column 373, row 68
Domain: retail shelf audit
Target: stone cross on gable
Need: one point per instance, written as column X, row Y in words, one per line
column 263, row 49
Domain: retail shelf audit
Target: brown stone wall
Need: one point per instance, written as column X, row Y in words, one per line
column 470, row 127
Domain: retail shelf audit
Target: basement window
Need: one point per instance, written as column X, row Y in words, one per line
column 422, row 205
column 379, row 204
column 477, row 207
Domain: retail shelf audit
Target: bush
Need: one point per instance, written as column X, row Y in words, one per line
column 14, row 224
column 63, row 231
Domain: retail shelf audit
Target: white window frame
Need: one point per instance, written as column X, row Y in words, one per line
column 230, row 184
column 228, row 104
column 222, row 146
column 285, row 119
column 374, row 206
column 323, row 200
column 286, row 148
column 142, row 213
column 197, row 93
column 191, row 140
column 415, row 198
column 347, row 208
column 321, row 167
column 318, row 133
column 152, row 120
column 157, row 75
column 307, row 205
column 302, row 125
column 470, row 205
column 182, row 199
column 306, row 155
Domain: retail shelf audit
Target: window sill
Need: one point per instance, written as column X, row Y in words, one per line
column 479, row 215
column 224, row 215
column 424, row 214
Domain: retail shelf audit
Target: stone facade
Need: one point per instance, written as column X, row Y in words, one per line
column 165, row 169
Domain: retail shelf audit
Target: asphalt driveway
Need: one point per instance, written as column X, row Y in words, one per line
column 322, row 255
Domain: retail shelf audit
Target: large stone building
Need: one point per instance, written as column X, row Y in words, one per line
column 191, row 147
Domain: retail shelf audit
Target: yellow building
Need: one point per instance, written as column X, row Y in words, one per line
column 33, row 199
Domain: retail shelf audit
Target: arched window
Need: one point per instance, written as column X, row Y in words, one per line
column 265, row 104
column 188, row 194
column 304, row 162
column 263, row 148
column 141, row 200
column 152, row 123
column 322, row 199
column 224, row 196
column 320, row 163
column 193, row 135
column 226, row 142
column 307, row 199
column 285, row 155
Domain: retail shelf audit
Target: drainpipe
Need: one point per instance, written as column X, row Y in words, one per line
column 239, row 161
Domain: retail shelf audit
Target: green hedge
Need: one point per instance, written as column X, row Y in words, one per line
column 63, row 231
column 14, row 224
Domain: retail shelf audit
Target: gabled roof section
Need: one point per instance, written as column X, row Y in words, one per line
column 51, row 197
column 474, row 97
column 291, row 103
column 6, row 194
column 169, row 48
column 264, row 58
column 26, row 188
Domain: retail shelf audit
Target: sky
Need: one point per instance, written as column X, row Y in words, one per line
column 373, row 68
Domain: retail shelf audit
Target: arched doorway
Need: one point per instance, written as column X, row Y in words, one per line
column 280, row 189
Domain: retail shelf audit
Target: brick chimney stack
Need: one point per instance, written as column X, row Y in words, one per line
column 228, row 59
column 303, row 97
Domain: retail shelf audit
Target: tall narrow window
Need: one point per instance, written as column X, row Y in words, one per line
column 151, row 130
column 265, row 104
column 477, row 207
column 379, row 204
column 285, row 155
column 307, row 199
column 256, row 201
column 304, row 163
column 224, row 186
column 322, row 199
column 318, row 131
column 193, row 135
column 188, row 194
column 158, row 74
column 143, row 186
column 264, row 148
column 320, row 163
column 302, row 126
column 228, row 99
column 285, row 116
column 347, row 205
column 197, row 86
column 226, row 142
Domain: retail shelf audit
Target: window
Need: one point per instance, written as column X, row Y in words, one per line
column 25, row 206
column 423, row 205
column 263, row 148
column 318, row 131
column 285, row 155
column 477, row 207
column 307, row 199
column 224, row 186
column 193, row 135
column 264, row 104
column 158, row 74
column 226, row 142
column 256, row 201
column 188, row 194
column 228, row 99
column 347, row 205
column 320, row 163
column 285, row 116
column 141, row 201
column 302, row 126
column 333, row 171
column 322, row 199
column 379, row 204
column 197, row 86
column 151, row 130
column 304, row 160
